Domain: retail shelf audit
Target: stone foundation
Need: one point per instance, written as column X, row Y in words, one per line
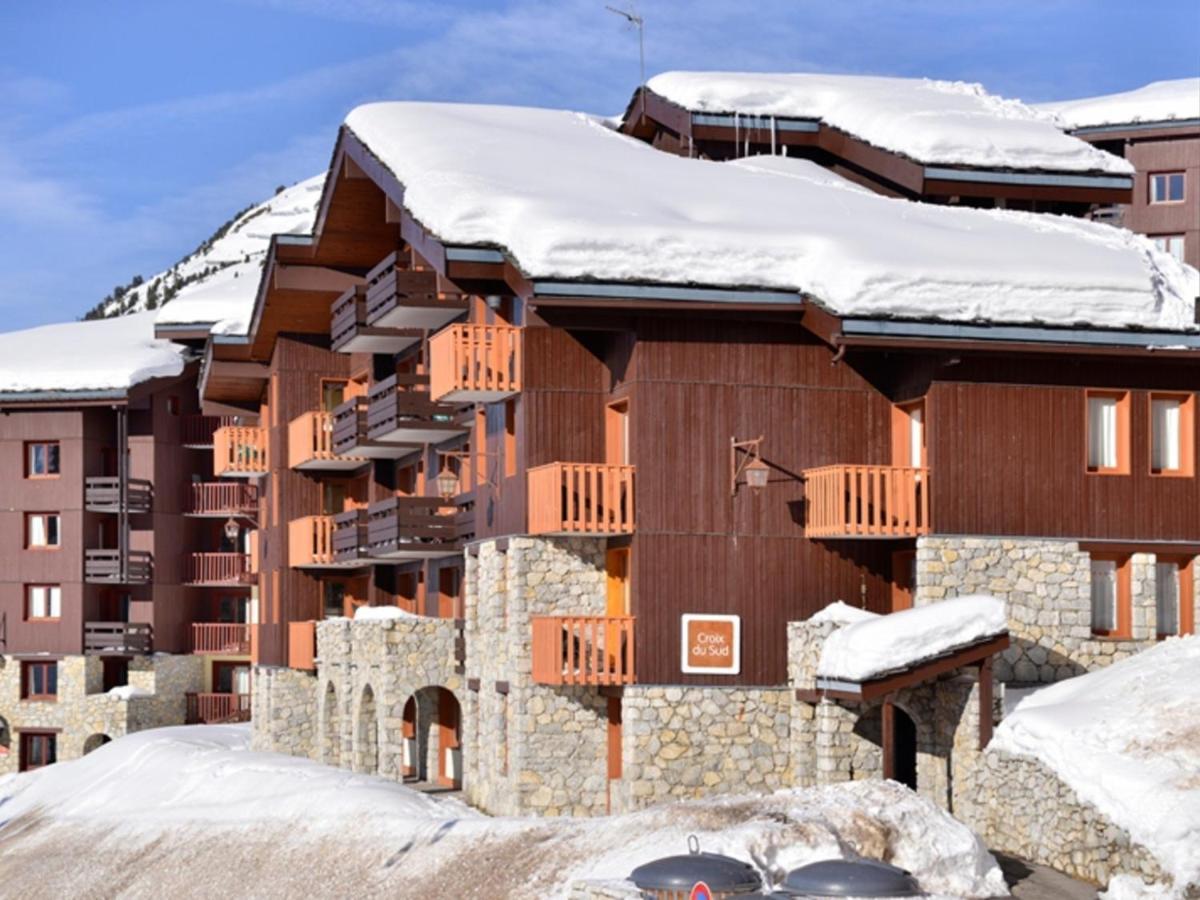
column 281, row 711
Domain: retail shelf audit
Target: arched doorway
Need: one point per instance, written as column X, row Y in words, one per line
column 904, row 748
column 368, row 734
column 408, row 735
column 438, row 737
column 95, row 742
column 331, row 745
column 449, row 719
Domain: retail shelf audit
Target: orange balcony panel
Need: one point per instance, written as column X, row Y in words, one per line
column 240, row 451
column 581, row 498
column 310, row 544
column 866, row 502
column 475, row 363
column 253, row 541
column 587, row 650
column 302, row 645
column 221, row 638
column 310, row 445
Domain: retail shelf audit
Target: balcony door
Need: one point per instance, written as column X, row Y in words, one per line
column 908, row 435
column 616, row 433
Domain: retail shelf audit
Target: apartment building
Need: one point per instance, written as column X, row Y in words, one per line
column 1156, row 128
column 559, row 435
column 117, row 609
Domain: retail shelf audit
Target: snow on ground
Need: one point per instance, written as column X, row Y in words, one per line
column 943, row 122
column 1159, row 101
column 568, row 198
column 97, row 355
column 1127, row 740
column 159, row 806
column 880, row 644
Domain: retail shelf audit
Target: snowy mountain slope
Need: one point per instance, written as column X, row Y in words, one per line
column 216, row 283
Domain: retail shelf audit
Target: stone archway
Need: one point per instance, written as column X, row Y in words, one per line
column 367, row 734
column 408, row 738
column 438, row 737
column 331, row 735
column 95, row 742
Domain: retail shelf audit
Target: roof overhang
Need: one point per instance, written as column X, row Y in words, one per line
column 229, row 378
column 1169, row 128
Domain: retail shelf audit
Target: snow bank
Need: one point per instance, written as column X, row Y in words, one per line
column 97, row 355
column 881, row 644
column 381, row 613
column 843, row 614
column 942, row 122
column 568, row 198
column 1159, row 101
column 1127, row 740
column 128, row 692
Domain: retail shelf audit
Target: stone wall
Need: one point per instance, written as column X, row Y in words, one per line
column 1046, row 585
column 282, row 710
column 82, row 713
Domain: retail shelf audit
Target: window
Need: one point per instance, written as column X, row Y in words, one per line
column 335, row 599
column 1166, row 187
column 1108, row 432
column 510, row 438
column 39, row 680
column 41, row 459
column 1110, row 596
column 1172, row 434
column 333, row 394
column 1170, row 243
column 1174, row 597
column 43, row 601
column 37, row 749
column 42, row 531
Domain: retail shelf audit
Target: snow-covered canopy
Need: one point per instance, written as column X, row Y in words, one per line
column 933, row 122
column 1127, row 740
column 570, row 199
column 97, row 355
column 225, row 296
column 875, row 646
column 1159, row 101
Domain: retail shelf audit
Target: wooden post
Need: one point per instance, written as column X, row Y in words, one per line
column 889, row 738
column 985, row 702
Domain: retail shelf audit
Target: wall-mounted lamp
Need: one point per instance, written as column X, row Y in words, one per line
column 745, row 461
column 447, row 480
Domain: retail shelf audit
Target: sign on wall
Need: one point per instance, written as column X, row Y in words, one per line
column 711, row 645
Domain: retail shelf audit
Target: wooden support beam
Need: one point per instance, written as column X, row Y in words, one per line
column 985, row 702
column 889, row 738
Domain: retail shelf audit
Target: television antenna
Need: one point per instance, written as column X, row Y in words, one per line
column 637, row 21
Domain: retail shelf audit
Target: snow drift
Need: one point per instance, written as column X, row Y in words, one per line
column 1159, row 101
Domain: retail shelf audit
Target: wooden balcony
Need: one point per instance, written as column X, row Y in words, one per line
column 310, row 544
column 310, row 445
column 197, row 431
column 221, row 500
column 866, row 502
column 588, row 650
column 213, row 709
column 407, row 298
column 350, row 333
column 402, row 412
column 117, row 638
column 240, row 451
column 221, row 638
column 350, row 434
column 103, row 495
column 402, row 528
column 581, row 498
column 350, row 537
column 254, row 545
column 219, row 570
column 302, row 645
column 104, row 567
column 475, row 363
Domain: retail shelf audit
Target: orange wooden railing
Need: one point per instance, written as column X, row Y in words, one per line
column 583, row 650
column 240, row 450
column 221, row 498
column 210, row 708
column 581, row 498
column 310, row 541
column 866, row 501
column 219, row 568
column 231, row 638
column 466, row 360
column 302, row 645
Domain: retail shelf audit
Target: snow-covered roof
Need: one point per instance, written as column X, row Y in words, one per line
column 100, row 355
column 569, row 199
column 225, row 297
column 1124, row 739
column 878, row 645
column 1159, row 101
column 933, row 122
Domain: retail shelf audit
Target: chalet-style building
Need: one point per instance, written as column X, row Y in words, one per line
column 557, row 433
column 1157, row 129
column 125, row 599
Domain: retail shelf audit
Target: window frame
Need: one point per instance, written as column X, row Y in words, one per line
column 1166, row 174
column 29, row 545
column 1186, row 595
column 1169, row 238
column 1123, row 612
column 1187, row 434
column 29, row 459
column 29, row 588
column 27, row 667
column 26, row 738
column 1124, row 447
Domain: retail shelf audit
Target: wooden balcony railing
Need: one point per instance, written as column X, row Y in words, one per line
column 117, row 638
column 350, row 332
column 417, row 528
column 221, row 499
column 866, row 502
column 302, row 645
column 197, row 431
column 310, row 541
column 595, row 650
column 240, row 451
column 104, row 567
column 219, row 570
column 103, row 495
column 211, row 709
column 475, row 363
column 350, row 537
column 310, row 444
column 404, row 297
column 402, row 411
column 224, row 638
column 581, row 498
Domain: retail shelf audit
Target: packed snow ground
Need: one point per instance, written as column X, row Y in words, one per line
column 1159, row 101
column 185, row 811
column 568, row 198
column 1127, row 740
column 97, row 355
column 943, row 122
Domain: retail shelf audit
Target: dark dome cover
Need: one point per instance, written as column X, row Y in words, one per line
column 721, row 873
column 851, row 878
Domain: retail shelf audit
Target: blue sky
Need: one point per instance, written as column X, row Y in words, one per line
column 130, row 129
